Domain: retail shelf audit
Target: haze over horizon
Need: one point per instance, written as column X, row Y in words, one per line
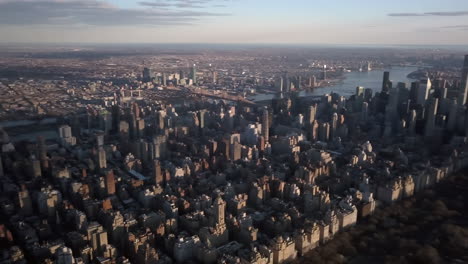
column 368, row 22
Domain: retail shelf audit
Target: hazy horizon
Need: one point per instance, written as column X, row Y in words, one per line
column 297, row 22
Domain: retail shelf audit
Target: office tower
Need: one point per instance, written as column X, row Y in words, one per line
column 412, row 123
column 442, row 93
column 314, row 132
column 312, row 81
column 99, row 140
column 115, row 111
column 96, row 235
column 401, row 85
column 440, row 88
column 452, row 118
column 220, row 209
column 422, row 91
column 324, row 132
column 140, row 128
column 25, row 202
column 311, row 114
column 359, row 91
column 225, row 147
column 324, row 76
column 124, row 130
column 65, row 131
column 201, row 118
column 147, row 75
column 265, row 125
column 364, row 112
column 300, row 120
column 102, row 162
column 368, row 66
column 391, row 110
column 181, row 74
column 299, row 82
column 41, row 147
column 414, row 92
column 215, row 77
column 158, row 177
column 368, row 93
column 135, row 110
column 160, row 117
column 463, row 88
column 235, row 150
column 386, row 82
column 105, row 121
column 42, row 152
column 463, row 91
column 431, row 114
column 109, row 181
column 143, row 153
column 279, row 85
column 193, row 75
column 64, row 255
column 47, row 202
column 334, row 125
column 164, row 79
column 36, row 171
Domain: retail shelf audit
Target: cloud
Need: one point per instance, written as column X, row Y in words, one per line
column 455, row 13
column 177, row 3
column 459, row 27
column 96, row 12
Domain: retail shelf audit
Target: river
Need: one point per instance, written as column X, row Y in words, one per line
column 347, row 87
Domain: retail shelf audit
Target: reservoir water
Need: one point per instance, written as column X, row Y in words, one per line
column 347, row 87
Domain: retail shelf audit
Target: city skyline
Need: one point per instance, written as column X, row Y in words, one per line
column 235, row 21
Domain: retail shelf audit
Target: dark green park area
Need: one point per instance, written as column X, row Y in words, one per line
column 431, row 227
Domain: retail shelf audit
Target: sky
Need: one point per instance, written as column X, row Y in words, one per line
column 371, row 22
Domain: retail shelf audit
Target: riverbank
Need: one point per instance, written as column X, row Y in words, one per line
column 347, row 86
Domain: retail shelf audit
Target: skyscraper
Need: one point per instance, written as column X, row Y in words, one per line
column 147, row 75
column 110, row 182
column 164, row 79
column 452, row 118
column 299, row 82
column 324, row 72
column 412, row 123
column 422, row 91
column 220, row 208
column 279, row 85
column 181, row 74
column 463, row 92
column 158, row 177
column 324, row 132
column 193, row 75
column 314, row 131
column 201, row 118
column 334, row 125
column 386, row 82
column 312, row 81
column 215, row 77
column 65, row 134
column 102, row 162
column 42, row 152
column 265, row 125
column 430, row 121
column 359, row 91
column 311, row 113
